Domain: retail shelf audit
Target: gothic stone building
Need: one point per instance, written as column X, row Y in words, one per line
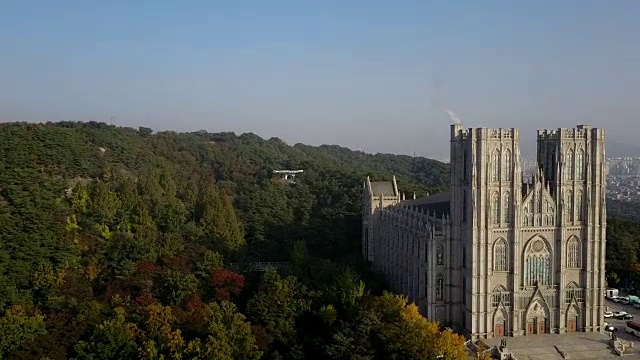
column 500, row 255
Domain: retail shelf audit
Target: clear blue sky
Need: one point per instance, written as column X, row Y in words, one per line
column 370, row 74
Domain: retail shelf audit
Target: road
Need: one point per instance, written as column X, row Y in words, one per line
column 620, row 324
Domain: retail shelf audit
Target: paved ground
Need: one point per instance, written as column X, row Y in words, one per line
column 620, row 324
column 577, row 345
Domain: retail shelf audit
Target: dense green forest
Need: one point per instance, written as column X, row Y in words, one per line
column 621, row 209
column 121, row 243
column 623, row 254
column 118, row 243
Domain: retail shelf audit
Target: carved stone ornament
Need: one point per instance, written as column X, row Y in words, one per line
column 538, row 246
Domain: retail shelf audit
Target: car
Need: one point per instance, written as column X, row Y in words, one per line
column 608, row 314
column 623, row 315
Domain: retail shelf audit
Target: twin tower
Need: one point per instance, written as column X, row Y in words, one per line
column 500, row 254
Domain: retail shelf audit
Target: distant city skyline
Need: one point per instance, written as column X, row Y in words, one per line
column 377, row 76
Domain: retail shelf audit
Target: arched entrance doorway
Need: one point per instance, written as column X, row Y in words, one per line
column 537, row 319
column 572, row 320
column 499, row 324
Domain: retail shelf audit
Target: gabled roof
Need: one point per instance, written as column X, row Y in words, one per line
column 431, row 199
column 379, row 188
column 543, row 192
column 437, row 203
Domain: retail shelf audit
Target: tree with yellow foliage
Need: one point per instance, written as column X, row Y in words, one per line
column 17, row 326
column 229, row 336
column 405, row 334
column 160, row 340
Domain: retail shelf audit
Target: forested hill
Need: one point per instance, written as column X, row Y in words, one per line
column 173, row 171
column 115, row 243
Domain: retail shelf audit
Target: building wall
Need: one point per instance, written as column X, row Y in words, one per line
column 372, row 206
column 413, row 248
column 515, row 257
column 486, row 183
column 575, row 159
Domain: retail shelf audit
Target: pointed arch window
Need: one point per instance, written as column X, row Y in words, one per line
column 439, row 287
column 537, row 264
column 573, row 291
column 500, row 256
column 580, row 166
column 506, row 165
column 569, row 205
column 464, row 257
column 464, row 290
column 495, row 165
column 464, row 206
column 366, row 240
column 426, row 284
column 465, row 165
column 495, row 208
column 579, row 206
column 573, row 253
column 440, row 255
column 426, row 253
column 506, row 208
column 571, row 165
column 500, row 294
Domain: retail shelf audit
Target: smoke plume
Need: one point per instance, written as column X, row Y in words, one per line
column 452, row 116
column 438, row 100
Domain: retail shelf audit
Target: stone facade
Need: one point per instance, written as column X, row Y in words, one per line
column 500, row 255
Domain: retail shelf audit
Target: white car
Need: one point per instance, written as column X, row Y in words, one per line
column 608, row 314
column 622, row 315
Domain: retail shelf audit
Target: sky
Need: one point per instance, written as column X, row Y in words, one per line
column 368, row 75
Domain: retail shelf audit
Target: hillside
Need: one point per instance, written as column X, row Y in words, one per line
column 40, row 161
column 116, row 242
column 622, row 209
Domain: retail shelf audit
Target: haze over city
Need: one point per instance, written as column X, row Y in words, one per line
column 376, row 76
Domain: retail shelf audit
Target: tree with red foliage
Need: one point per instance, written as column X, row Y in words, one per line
column 146, row 300
column 195, row 302
column 180, row 262
column 147, row 268
column 227, row 283
column 263, row 338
